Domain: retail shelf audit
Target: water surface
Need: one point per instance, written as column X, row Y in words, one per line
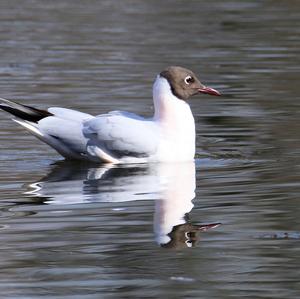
column 71, row 230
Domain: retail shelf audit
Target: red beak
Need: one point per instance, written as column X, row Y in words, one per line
column 209, row 90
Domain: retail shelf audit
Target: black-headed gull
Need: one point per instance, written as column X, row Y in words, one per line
column 118, row 136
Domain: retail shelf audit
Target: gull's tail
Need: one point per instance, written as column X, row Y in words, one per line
column 60, row 129
column 23, row 112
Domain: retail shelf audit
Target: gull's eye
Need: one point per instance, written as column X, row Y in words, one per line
column 188, row 80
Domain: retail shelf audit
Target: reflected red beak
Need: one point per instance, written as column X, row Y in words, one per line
column 209, row 90
column 205, row 227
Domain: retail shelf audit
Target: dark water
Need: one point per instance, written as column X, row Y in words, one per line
column 86, row 231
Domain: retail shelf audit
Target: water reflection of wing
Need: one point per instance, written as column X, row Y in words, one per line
column 171, row 185
column 70, row 183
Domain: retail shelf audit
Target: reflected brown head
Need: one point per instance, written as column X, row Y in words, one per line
column 184, row 82
column 187, row 235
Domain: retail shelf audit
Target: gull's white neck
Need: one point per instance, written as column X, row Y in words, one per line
column 166, row 105
column 176, row 121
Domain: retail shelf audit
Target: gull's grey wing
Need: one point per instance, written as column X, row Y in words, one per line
column 122, row 134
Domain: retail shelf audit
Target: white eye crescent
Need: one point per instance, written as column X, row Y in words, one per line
column 188, row 80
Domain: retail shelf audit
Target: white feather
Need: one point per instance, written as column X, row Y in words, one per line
column 121, row 136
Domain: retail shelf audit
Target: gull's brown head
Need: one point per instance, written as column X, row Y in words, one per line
column 184, row 83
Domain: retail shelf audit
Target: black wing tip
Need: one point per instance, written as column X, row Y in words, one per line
column 23, row 111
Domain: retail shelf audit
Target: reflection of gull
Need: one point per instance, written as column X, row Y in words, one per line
column 171, row 185
column 71, row 183
column 176, row 198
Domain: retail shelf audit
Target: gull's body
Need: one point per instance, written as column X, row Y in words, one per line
column 122, row 137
